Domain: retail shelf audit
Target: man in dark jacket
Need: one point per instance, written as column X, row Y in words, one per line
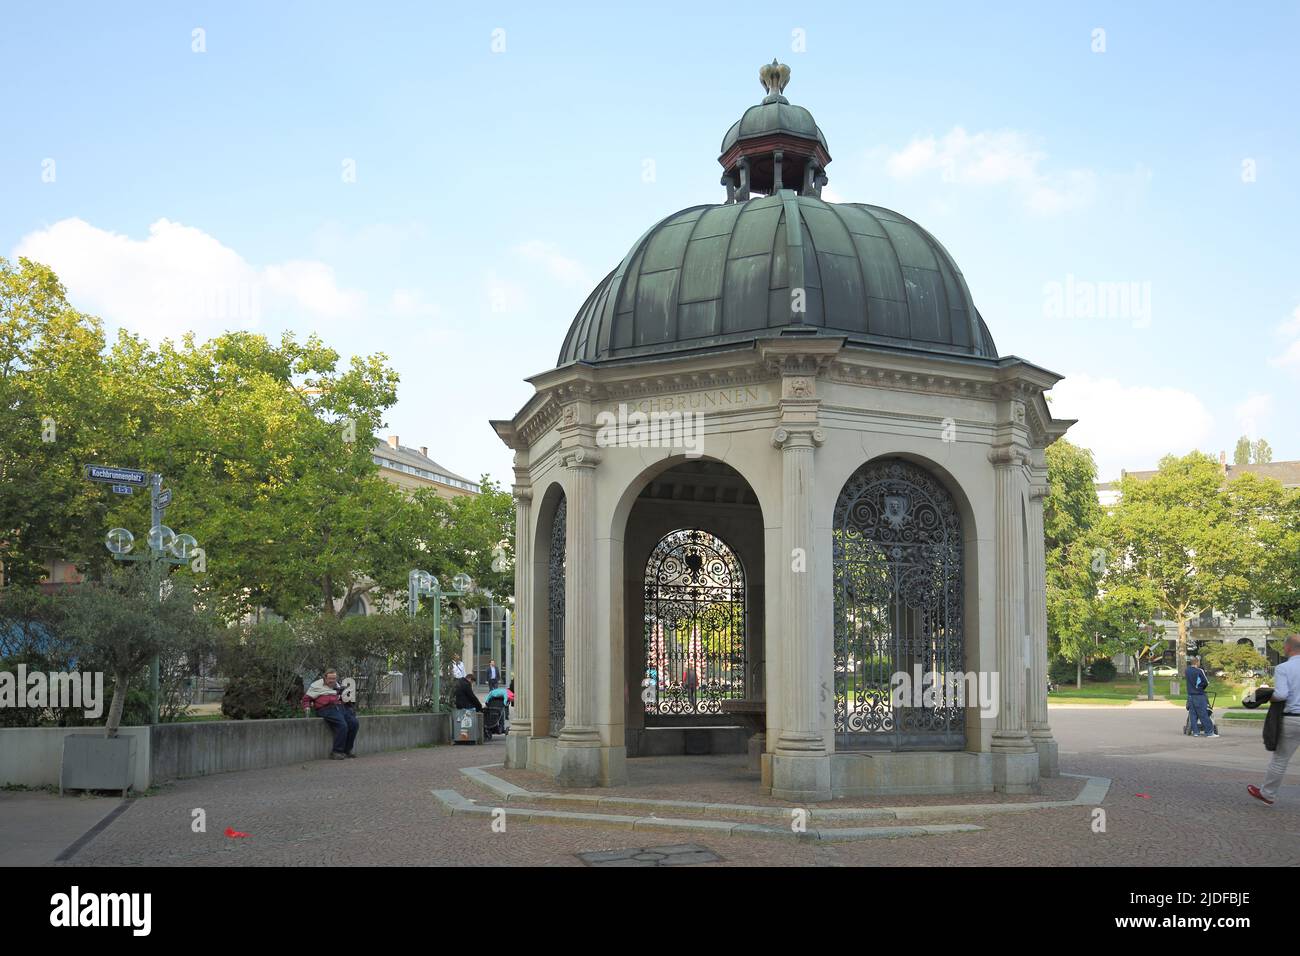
column 465, row 698
column 1197, row 700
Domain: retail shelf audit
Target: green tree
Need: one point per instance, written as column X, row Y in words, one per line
column 119, row 624
column 53, row 419
column 1175, row 539
column 1270, row 513
column 1241, row 454
column 1262, row 451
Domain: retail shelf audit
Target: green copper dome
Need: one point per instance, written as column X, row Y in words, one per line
column 769, row 117
column 722, row 276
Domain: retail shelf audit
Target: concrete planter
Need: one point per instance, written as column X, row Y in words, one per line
column 97, row 763
column 35, row 756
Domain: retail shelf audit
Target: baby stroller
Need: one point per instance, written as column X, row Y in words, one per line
column 494, row 718
column 1187, row 724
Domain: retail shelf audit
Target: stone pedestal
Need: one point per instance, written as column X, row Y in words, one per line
column 1016, row 772
column 1048, row 763
column 516, row 749
column 801, row 779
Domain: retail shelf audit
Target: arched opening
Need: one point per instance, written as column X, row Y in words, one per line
column 555, row 563
column 899, row 652
column 691, row 599
column 694, row 626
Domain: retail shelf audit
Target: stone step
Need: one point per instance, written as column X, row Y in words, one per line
column 453, row 803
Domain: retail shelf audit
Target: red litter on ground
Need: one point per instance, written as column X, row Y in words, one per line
column 1144, row 796
column 232, row 832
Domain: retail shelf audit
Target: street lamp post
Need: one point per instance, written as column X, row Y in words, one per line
column 165, row 547
column 423, row 584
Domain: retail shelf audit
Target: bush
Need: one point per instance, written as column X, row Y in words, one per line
column 1102, row 671
column 1238, row 660
column 263, row 665
column 1061, row 671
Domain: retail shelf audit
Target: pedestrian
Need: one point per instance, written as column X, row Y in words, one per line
column 465, row 698
column 457, row 667
column 1197, row 700
column 494, row 675
column 691, row 681
column 326, row 698
column 1284, row 716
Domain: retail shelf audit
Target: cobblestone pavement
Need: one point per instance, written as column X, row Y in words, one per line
column 1173, row 800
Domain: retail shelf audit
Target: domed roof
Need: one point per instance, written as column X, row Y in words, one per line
column 722, row 276
column 773, row 116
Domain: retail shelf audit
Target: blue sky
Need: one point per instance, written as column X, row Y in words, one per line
column 505, row 157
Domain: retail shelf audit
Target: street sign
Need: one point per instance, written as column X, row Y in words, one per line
column 165, row 498
column 123, row 476
column 122, row 489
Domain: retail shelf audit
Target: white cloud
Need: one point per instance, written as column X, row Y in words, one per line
column 180, row 279
column 996, row 158
column 1251, row 411
column 410, row 304
column 559, row 266
column 1130, row 426
column 1290, row 354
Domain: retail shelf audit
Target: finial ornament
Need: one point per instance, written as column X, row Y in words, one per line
column 774, row 76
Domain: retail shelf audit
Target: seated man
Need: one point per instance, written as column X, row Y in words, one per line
column 325, row 697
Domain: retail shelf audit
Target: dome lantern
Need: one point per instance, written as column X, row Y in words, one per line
column 774, row 146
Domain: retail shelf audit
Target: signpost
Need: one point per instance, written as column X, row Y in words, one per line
column 118, row 476
column 165, row 546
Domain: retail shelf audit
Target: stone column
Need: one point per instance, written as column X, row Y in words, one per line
column 800, row 763
column 1040, row 732
column 578, row 758
column 521, row 716
column 798, row 768
column 1011, row 743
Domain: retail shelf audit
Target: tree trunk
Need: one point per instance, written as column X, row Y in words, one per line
column 119, row 702
column 1180, row 659
column 1078, row 673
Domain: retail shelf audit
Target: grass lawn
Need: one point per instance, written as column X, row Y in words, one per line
column 1122, row 691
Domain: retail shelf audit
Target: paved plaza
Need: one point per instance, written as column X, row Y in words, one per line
column 382, row 809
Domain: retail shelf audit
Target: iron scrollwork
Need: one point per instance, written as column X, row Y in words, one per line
column 897, row 553
column 555, row 606
column 694, row 625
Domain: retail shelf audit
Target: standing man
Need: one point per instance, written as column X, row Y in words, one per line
column 691, row 681
column 1197, row 700
column 493, row 675
column 1286, row 689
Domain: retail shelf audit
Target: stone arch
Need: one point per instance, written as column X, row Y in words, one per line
column 548, row 645
column 901, row 546
column 724, row 503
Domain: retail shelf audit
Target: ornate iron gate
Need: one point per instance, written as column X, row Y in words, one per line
column 897, row 553
column 555, row 603
column 694, row 625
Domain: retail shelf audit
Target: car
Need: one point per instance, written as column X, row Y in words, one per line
column 1164, row 670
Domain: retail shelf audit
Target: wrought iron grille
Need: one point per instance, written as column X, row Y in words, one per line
column 694, row 625
column 555, row 606
column 897, row 556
